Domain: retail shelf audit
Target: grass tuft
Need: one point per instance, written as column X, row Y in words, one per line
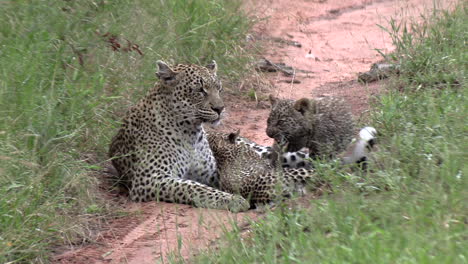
column 411, row 207
column 68, row 70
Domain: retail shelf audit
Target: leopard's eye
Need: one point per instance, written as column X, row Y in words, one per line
column 202, row 88
column 203, row 91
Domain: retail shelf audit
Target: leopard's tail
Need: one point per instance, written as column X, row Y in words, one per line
column 358, row 151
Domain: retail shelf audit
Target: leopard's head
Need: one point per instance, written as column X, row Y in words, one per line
column 195, row 91
column 288, row 123
column 222, row 145
column 225, row 148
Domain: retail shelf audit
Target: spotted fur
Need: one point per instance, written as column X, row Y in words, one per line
column 242, row 171
column 360, row 148
column 324, row 125
column 161, row 151
column 296, row 159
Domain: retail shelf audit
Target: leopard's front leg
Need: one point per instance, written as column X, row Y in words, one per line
column 177, row 190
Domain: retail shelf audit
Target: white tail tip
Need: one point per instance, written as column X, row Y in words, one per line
column 367, row 133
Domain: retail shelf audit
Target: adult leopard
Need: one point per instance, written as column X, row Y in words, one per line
column 161, row 151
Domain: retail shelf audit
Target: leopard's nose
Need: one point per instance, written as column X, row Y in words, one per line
column 218, row 109
column 270, row 132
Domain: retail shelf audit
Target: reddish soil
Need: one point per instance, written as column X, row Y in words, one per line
column 341, row 38
column 155, row 231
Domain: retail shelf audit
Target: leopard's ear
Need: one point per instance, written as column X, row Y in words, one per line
column 166, row 74
column 273, row 100
column 303, row 105
column 212, row 67
column 233, row 136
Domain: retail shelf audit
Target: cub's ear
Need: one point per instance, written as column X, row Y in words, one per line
column 233, row 136
column 303, row 105
column 212, row 67
column 166, row 74
column 273, row 100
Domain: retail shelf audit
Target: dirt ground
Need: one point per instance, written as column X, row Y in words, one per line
column 338, row 39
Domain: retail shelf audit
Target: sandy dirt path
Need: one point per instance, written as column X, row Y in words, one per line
column 341, row 38
column 155, row 232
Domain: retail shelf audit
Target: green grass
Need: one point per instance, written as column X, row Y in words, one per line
column 412, row 207
column 63, row 90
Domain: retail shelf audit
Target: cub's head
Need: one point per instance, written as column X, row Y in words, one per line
column 288, row 123
column 224, row 146
column 195, row 91
column 226, row 149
